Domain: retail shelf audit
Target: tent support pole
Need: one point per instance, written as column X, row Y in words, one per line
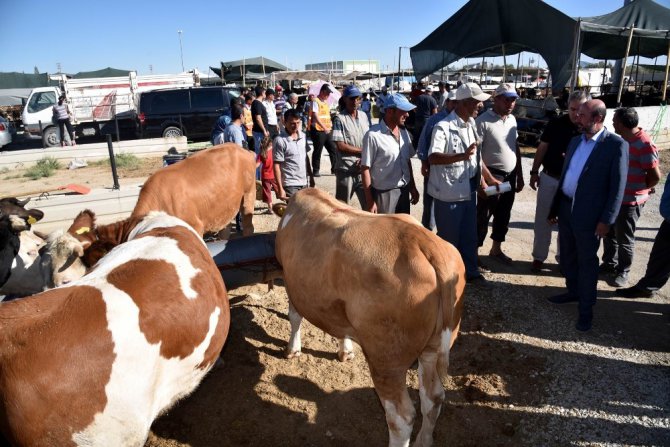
column 575, row 62
column 504, row 79
column 637, row 69
column 602, row 78
column 244, row 71
column 481, row 73
column 623, row 69
column 399, row 56
column 518, row 64
column 665, row 81
column 442, row 72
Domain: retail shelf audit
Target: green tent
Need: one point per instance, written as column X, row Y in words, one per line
column 251, row 68
column 24, row 80
column 496, row 27
column 108, row 72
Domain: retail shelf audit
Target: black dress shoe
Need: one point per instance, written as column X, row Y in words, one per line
column 635, row 292
column 606, row 269
column 584, row 323
column 563, row 298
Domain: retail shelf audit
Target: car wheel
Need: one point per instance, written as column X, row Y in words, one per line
column 51, row 137
column 172, row 132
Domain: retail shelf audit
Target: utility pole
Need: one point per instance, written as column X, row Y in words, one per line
column 181, row 50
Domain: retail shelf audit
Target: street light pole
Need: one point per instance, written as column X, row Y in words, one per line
column 181, row 50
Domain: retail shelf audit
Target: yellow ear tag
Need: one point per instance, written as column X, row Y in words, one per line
column 83, row 230
column 31, row 220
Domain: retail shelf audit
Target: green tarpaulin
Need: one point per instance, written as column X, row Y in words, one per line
column 104, row 73
column 253, row 68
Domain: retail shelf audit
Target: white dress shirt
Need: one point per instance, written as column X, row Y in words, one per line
column 577, row 162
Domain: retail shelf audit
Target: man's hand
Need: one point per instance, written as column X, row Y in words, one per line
column 425, row 168
column 470, row 151
column 602, row 230
column 414, row 195
column 372, row 208
column 519, row 183
column 552, row 220
column 281, row 194
column 534, row 181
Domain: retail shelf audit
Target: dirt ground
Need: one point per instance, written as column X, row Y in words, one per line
column 520, row 373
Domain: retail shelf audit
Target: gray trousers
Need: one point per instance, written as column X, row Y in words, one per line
column 346, row 185
column 619, row 243
column 392, row 201
column 542, row 229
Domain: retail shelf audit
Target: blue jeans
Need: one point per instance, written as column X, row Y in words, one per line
column 258, row 138
column 456, row 223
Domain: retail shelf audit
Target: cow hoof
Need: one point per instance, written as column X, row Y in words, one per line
column 292, row 354
column 345, row 356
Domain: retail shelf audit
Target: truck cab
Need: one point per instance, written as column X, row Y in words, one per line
column 37, row 115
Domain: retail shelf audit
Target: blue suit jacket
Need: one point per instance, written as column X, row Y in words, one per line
column 601, row 184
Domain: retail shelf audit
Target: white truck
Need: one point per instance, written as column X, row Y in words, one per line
column 98, row 105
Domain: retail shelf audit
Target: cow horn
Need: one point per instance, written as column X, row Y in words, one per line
column 22, row 203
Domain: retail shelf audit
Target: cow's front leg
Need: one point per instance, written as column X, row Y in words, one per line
column 294, row 345
column 346, row 349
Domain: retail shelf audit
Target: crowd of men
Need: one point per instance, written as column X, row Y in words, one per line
column 590, row 181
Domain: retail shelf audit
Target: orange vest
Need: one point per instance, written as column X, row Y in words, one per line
column 323, row 114
column 248, row 122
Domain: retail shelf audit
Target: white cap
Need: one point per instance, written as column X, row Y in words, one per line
column 429, row 88
column 471, row 90
column 506, row 90
column 451, row 96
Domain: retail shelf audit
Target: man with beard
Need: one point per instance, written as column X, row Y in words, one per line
column 590, row 192
column 385, row 161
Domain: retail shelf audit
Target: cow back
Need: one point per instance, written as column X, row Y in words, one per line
column 205, row 190
column 95, row 362
column 349, row 271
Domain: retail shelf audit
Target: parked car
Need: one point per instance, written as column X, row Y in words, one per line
column 5, row 132
column 185, row 111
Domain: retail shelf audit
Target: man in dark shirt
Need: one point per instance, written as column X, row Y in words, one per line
column 551, row 154
column 259, row 117
column 425, row 107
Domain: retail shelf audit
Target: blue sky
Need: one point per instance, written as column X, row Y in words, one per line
column 85, row 35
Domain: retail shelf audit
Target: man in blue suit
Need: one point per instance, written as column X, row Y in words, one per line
column 586, row 204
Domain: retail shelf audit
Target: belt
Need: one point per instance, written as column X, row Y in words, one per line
column 557, row 177
column 499, row 172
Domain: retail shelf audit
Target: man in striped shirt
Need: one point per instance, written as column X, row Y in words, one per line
column 643, row 174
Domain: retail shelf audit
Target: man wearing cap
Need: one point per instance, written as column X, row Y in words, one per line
column 426, row 106
column 260, row 119
column 269, row 104
column 349, row 127
column 385, row 161
column 280, row 100
column 320, row 131
column 381, row 99
column 455, row 176
column 501, row 163
column 427, row 218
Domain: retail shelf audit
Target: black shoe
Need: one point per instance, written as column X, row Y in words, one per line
column 316, row 174
column 606, row 269
column 536, row 266
column 563, row 298
column 635, row 292
column 584, row 323
column 479, row 281
column 621, row 280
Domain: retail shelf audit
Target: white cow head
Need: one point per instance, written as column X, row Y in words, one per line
column 61, row 260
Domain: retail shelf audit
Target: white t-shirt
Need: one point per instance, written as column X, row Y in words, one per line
column 271, row 111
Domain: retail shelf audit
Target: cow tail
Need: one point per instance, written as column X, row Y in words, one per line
column 452, row 286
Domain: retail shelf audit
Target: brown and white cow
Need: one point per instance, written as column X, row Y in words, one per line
column 205, row 190
column 95, row 362
column 383, row 281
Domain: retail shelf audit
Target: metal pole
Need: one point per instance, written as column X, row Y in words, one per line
column 625, row 61
column 481, row 72
column 399, row 56
column 118, row 134
column 665, row 80
column 112, row 162
column 637, row 69
column 181, row 50
column 504, row 64
column 575, row 60
column 518, row 62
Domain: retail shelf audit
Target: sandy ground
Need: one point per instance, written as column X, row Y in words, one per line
column 520, row 373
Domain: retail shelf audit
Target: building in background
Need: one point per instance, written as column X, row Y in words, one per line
column 365, row 65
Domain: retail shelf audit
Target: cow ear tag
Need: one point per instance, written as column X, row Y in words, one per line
column 31, row 220
column 83, row 230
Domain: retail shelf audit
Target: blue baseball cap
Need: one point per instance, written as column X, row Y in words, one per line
column 351, row 91
column 398, row 101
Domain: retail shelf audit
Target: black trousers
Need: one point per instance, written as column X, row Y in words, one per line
column 321, row 140
column 658, row 267
column 61, row 126
column 499, row 207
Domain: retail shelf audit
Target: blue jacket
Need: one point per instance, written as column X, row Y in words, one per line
column 601, row 184
column 665, row 200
